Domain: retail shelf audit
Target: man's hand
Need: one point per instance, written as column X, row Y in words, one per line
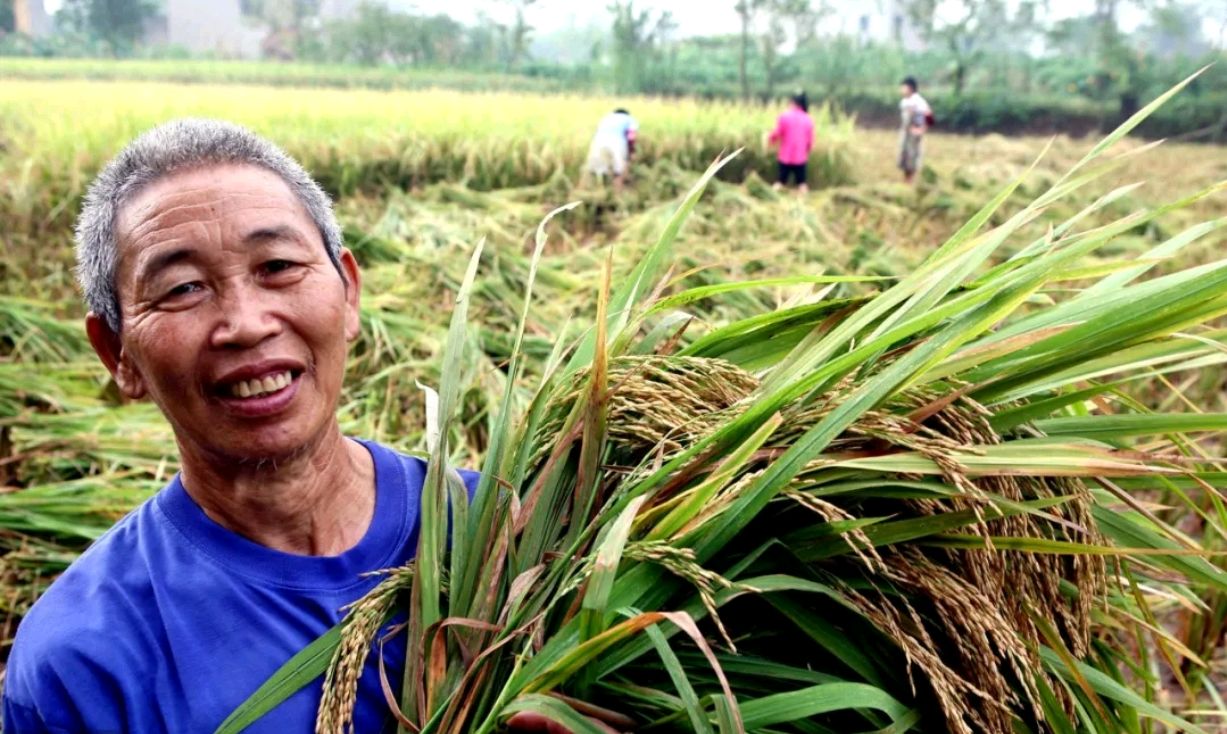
column 525, row 723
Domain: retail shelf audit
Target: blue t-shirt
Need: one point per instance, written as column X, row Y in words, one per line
column 170, row 621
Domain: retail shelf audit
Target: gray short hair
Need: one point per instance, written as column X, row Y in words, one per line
column 172, row 147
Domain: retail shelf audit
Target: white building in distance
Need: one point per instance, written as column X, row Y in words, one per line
column 873, row 21
column 215, row 27
column 230, row 28
column 31, row 18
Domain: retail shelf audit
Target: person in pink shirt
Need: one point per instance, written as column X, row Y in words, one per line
column 794, row 134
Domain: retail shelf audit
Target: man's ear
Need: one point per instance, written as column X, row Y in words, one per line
column 353, row 293
column 109, row 348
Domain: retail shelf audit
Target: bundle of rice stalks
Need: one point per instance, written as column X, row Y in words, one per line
column 918, row 511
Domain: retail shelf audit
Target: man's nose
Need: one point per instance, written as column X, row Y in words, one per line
column 246, row 318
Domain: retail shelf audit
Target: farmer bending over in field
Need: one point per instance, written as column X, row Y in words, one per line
column 612, row 147
column 794, row 134
column 915, row 119
column 219, row 288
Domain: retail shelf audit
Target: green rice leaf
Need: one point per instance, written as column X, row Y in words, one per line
column 790, row 706
column 1114, row 691
column 1109, row 427
column 678, row 675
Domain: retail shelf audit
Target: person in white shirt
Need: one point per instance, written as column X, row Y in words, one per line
column 915, row 119
column 613, row 145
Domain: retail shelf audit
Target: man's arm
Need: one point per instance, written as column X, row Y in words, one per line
column 919, row 112
column 25, row 720
column 60, row 673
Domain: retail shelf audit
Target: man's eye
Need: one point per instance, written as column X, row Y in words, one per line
column 183, row 289
column 277, row 266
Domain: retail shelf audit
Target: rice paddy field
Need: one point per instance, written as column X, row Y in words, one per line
column 420, row 177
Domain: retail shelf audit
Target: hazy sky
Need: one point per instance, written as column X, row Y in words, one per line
column 694, row 17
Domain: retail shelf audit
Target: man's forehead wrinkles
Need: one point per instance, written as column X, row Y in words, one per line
column 145, row 228
column 166, row 205
column 142, row 223
column 153, row 218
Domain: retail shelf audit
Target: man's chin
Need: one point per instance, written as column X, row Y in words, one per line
column 251, row 452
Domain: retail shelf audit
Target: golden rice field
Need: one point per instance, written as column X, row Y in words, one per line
column 419, row 177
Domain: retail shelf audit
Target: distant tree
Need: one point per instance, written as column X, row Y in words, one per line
column 800, row 17
column 1173, row 29
column 287, row 20
column 639, row 38
column 375, row 34
column 117, row 24
column 1119, row 71
column 439, row 40
column 520, row 33
column 746, row 10
column 841, row 64
column 1074, row 36
column 484, row 42
column 969, row 29
column 8, row 19
column 571, row 43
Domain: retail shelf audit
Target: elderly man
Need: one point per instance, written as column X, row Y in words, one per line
column 218, row 287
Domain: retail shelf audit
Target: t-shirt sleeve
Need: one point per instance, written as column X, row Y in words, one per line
column 26, row 720
column 46, row 685
column 470, row 479
column 72, row 657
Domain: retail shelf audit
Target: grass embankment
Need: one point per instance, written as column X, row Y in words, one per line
column 273, row 73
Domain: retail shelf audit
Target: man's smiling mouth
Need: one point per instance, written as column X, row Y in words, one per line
column 261, row 386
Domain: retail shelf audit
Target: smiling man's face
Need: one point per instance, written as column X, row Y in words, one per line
column 235, row 321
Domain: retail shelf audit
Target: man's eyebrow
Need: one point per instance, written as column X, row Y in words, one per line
column 276, row 232
column 165, row 259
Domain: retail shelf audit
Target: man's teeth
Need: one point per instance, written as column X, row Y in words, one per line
column 261, row 386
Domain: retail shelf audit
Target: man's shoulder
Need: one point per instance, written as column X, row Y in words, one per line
column 85, row 624
column 82, row 597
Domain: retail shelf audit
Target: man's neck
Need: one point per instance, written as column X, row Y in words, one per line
column 318, row 502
